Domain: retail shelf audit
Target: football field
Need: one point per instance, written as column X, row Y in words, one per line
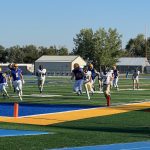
column 88, row 128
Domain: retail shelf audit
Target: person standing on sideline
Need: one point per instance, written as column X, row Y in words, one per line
column 135, row 78
column 41, row 75
column 3, row 84
column 127, row 74
column 115, row 75
column 88, row 81
column 107, row 78
column 78, row 75
column 17, row 77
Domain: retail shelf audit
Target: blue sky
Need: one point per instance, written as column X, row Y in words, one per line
column 56, row 22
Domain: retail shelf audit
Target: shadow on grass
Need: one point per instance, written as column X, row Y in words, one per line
column 135, row 130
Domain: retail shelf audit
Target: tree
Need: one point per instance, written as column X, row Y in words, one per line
column 15, row 54
column 52, row 50
column 107, row 47
column 101, row 48
column 63, row 51
column 31, row 53
column 84, row 44
column 43, row 51
column 3, row 54
column 137, row 47
column 147, row 45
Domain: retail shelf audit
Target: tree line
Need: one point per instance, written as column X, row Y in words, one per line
column 102, row 47
column 28, row 53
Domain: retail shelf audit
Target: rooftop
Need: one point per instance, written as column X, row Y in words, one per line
column 133, row 61
column 47, row 58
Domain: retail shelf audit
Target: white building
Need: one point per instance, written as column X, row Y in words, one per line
column 58, row 65
column 131, row 63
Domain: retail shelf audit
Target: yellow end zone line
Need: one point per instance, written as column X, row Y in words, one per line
column 47, row 119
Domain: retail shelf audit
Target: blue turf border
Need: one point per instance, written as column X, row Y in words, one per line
column 8, row 132
column 27, row 109
column 121, row 146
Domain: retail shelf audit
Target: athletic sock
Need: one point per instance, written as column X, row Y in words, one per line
column 108, row 100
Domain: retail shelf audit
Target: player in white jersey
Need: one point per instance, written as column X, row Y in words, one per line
column 41, row 75
column 135, row 78
column 88, row 81
column 107, row 78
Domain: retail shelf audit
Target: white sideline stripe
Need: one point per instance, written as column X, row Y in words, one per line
column 94, row 92
column 132, row 89
column 38, row 95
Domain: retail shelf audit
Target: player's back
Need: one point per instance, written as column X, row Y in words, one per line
column 16, row 74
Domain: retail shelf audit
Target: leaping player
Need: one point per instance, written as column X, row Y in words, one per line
column 17, row 77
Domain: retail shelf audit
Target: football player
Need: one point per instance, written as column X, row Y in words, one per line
column 78, row 75
column 107, row 77
column 3, row 83
column 88, row 81
column 17, row 78
column 41, row 75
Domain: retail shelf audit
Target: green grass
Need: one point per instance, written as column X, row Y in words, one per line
column 127, row 127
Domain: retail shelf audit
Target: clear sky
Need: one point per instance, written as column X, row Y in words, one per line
column 56, row 22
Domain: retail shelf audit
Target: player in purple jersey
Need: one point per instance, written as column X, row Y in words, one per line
column 78, row 74
column 3, row 83
column 17, row 77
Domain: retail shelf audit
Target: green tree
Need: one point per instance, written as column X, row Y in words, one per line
column 147, row 45
column 84, row 44
column 101, row 48
column 15, row 54
column 63, row 51
column 3, row 54
column 43, row 51
column 137, row 47
column 31, row 54
column 52, row 50
column 107, row 47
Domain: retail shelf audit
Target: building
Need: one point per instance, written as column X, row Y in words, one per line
column 129, row 64
column 58, row 65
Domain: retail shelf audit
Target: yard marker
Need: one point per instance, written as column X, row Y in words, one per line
column 16, row 109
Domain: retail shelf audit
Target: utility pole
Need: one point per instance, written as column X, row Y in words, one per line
column 147, row 52
column 146, row 42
